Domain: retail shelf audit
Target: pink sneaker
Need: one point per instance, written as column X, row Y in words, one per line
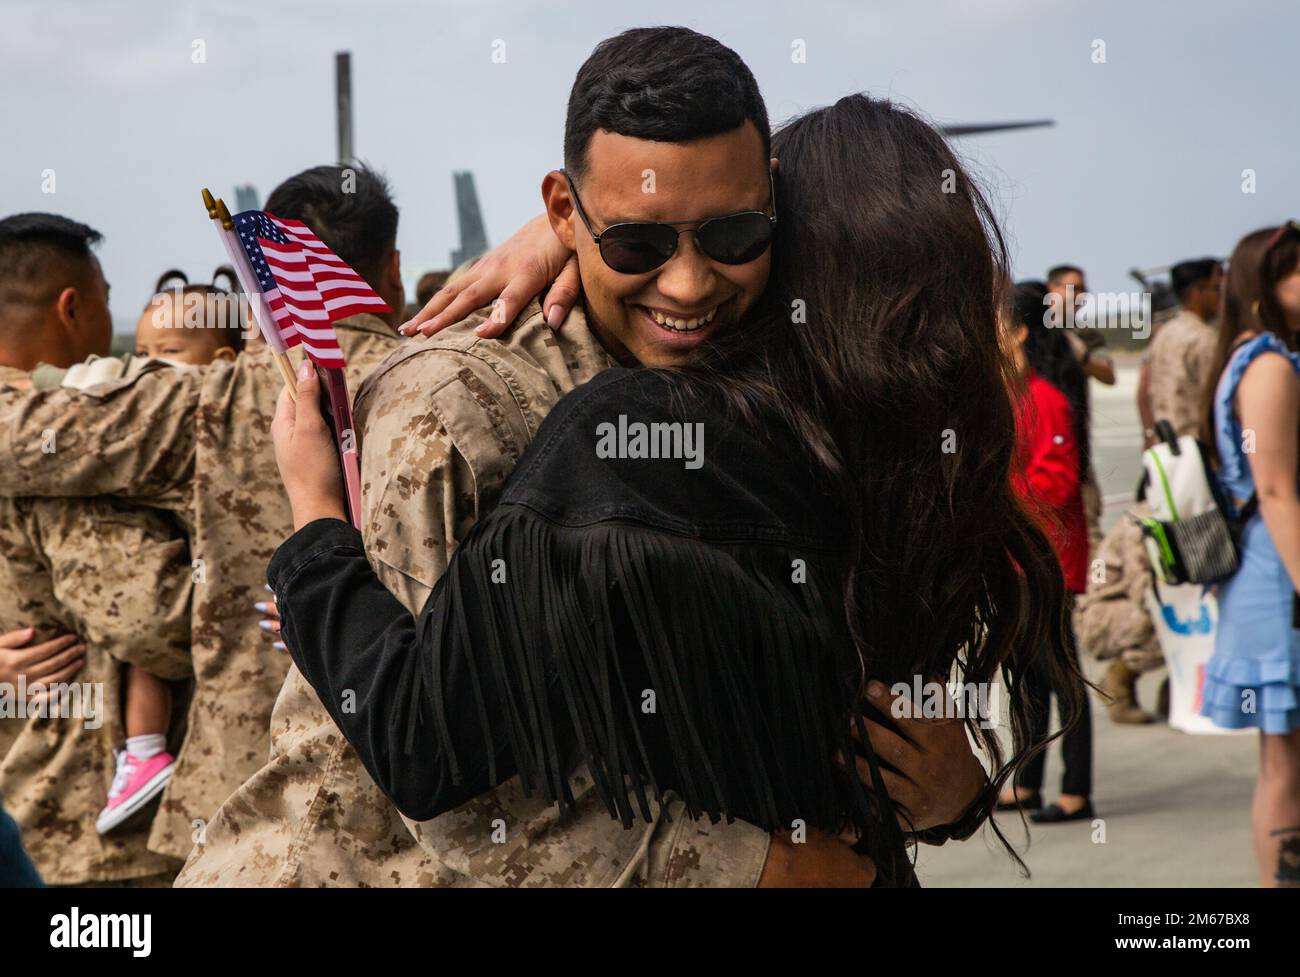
column 135, row 784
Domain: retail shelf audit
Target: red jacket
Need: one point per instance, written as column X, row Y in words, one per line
column 1047, row 477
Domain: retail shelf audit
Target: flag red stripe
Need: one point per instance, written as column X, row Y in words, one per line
column 315, row 287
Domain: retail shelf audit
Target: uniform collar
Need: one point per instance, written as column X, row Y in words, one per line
column 575, row 331
column 1192, row 318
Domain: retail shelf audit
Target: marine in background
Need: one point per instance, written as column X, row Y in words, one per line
column 196, row 443
column 99, row 588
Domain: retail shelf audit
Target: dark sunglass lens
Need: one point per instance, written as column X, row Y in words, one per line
column 737, row 239
column 634, row 249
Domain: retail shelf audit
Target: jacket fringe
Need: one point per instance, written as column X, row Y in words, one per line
column 757, row 686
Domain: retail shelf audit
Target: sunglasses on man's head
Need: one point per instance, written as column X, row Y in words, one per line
column 1276, row 238
column 636, row 247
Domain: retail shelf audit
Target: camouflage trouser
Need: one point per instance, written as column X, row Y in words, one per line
column 162, row 881
column 1111, row 619
column 681, row 853
column 1145, row 659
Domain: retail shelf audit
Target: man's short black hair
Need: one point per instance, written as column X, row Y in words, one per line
column 350, row 208
column 1185, row 274
column 30, row 244
column 668, row 84
column 1056, row 271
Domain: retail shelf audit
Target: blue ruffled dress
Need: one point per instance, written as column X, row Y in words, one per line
column 1256, row 648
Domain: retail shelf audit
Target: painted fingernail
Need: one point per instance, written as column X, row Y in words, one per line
column 267, row 588
column 875, row 689
column 555, row 316
column 264, row 625
column 280, row 645
column 304, row 369
column 261, row 606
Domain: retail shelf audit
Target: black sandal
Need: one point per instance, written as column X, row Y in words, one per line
column 1055, row 814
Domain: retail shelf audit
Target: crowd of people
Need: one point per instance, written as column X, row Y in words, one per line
column 552, row 656
column 1199, row 380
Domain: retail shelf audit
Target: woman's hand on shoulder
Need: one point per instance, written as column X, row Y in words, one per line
column 507, row 277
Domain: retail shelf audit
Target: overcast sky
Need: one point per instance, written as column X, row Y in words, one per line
column 1143, row 167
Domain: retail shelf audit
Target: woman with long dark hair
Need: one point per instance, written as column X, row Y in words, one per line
column 853, row 516
column 1053, row 466
column 1252, row 427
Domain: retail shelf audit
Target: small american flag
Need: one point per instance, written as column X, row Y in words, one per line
column 306, row 285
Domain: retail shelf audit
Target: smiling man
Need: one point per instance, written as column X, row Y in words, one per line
column 667, row 200
column 668, row 206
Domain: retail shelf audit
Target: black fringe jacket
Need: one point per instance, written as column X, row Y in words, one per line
column 656, row 594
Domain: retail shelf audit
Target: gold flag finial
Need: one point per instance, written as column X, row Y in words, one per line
column 223, row 213
column 209, row 203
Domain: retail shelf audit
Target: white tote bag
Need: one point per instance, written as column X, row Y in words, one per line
column 1185, row 617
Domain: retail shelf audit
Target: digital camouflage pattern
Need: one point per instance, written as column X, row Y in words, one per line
column 1111, row 617
column 241, row 516
column 198, row 443
column 1181, row 356
column 117, row 577
column 442, row 423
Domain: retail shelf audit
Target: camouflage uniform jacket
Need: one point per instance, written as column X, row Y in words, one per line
column 1111, row 617
column 442, row 423
column 119, row 579
column 1181, row 356
column 199, row 443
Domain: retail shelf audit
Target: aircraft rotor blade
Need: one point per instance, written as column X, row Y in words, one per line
column 973, row 129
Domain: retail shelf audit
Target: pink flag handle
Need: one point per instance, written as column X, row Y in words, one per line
column 336, row 387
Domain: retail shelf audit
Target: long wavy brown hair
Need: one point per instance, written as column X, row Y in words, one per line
column 877, row 341
column 1249, row 304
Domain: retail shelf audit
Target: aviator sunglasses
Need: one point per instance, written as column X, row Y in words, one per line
column 636, row 247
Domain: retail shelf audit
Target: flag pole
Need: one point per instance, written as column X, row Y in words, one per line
column 336, row 386
column 219, row 214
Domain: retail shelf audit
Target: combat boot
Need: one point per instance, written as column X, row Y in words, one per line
column 1119, row 685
